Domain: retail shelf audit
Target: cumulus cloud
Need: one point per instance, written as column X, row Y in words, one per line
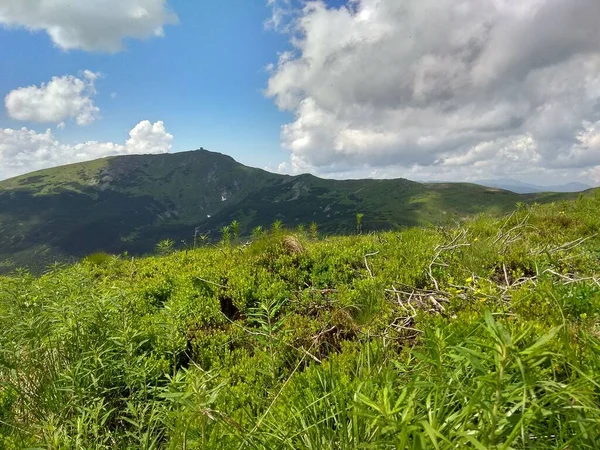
column 25, row 150
column 148, row 138
column 441, row 86
column 62, row 98
column 89, row 25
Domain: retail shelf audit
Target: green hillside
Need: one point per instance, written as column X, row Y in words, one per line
column 129, row 203
column 482, row 335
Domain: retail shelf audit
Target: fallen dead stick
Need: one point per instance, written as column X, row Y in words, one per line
column 317, row 336
column 211, row 282
column 568, row 245
column 572, row 279
column 367, row 263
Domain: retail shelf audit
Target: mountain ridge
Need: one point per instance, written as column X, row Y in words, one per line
column 521, row 187
column 130, row 203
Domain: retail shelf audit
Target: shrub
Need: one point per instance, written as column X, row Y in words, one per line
column 478, row 335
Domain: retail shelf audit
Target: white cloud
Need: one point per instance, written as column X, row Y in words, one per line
column 87, row 24
column 25, row 150
column 441, row 86
column 594, row 174
column 282, row 13
column 147, row 138
column 62, row 98
column 589, row 138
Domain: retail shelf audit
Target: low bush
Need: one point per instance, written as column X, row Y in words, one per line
column 483, row 335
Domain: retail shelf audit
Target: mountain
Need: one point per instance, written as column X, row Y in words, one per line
column 527, row 188
column 129, row 203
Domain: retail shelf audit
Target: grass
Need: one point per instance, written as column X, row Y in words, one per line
column 71, row 177
column 480, row 335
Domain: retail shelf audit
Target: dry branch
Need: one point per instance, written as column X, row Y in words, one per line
column 439, row 249
column 367, row 263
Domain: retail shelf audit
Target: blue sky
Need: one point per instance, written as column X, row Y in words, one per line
column 421, row 89
column 204, row 79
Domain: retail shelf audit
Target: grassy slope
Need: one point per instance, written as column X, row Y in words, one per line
column 130, row 203
column 484, row 335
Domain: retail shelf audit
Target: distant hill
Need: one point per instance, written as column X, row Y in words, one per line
column 129, row 203
column 527, row 188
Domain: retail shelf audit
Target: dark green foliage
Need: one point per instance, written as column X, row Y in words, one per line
column 235, row 230
column 314, row 230
column 480, row 335
column 226, row 235
column 165, row 246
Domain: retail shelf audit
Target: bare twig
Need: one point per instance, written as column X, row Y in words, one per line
column 508, row 237
column 316, row 337
column 439, row 249
column 310, row 355
column 367, row 263
column 211, row 282
column 436, row 303
column 571, row 245
column 570, row 278
column 505, row 275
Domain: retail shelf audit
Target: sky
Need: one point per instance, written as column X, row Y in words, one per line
column 448, row 90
